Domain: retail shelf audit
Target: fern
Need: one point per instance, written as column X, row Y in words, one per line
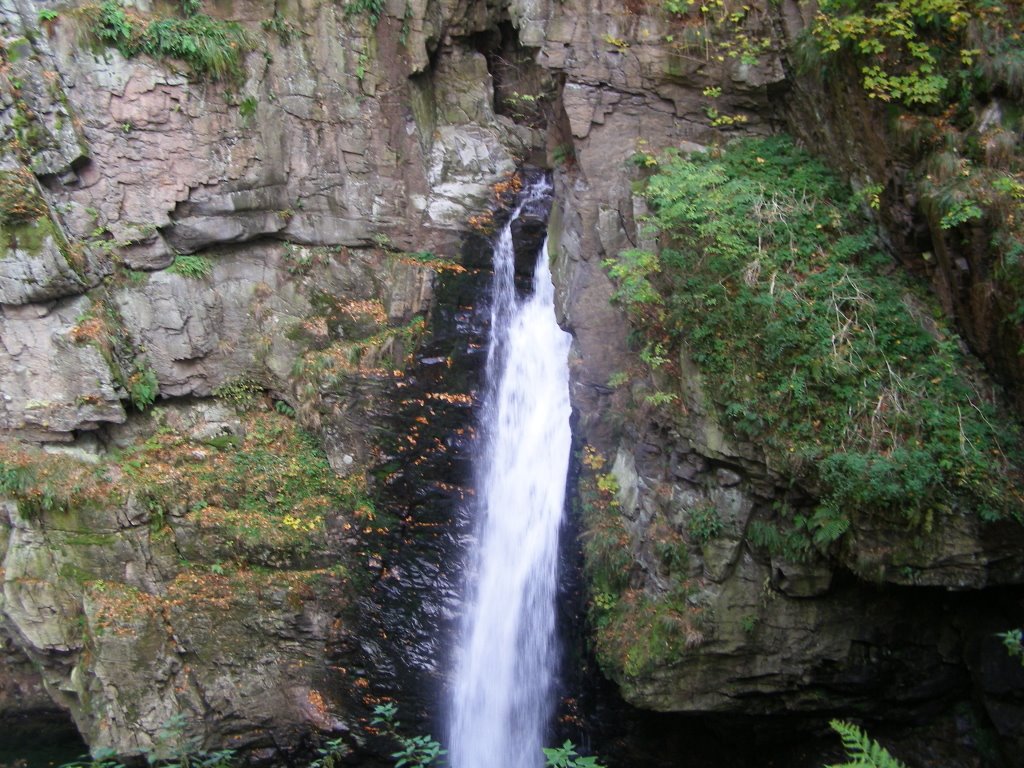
column 827, row 525
column 863, row 751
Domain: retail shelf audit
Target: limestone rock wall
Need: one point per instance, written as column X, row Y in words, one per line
column 169, row 238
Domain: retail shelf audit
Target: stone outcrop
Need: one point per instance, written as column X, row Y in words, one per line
column 139, row 631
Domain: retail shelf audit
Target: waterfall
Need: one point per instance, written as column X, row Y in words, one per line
column 502, row 689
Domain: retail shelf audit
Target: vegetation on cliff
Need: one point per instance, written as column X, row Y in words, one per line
column 212, row 48
column 812, row 345
column 262, row 496
column 952, row 75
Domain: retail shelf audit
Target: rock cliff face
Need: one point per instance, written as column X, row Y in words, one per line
column 761, row 634
column 172, row 238
column 238, row 251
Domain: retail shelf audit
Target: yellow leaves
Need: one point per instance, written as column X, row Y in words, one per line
column 298, row 524
column 450, row 398
column 370, row 308
column 615, row 42
column 592, row 459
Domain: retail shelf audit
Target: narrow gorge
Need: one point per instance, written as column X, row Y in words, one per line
column 250, row 330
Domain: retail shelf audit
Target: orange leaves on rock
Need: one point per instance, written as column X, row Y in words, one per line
column 90, row 329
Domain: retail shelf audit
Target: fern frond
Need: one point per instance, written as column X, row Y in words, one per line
column 863, row 751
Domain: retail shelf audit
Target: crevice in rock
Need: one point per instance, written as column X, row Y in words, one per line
column 523, row 90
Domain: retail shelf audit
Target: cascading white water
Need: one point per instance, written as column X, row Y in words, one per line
column 501, row 700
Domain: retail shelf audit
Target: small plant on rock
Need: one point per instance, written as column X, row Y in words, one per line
column 143, row 386
column 414, row 751
column 864, row 752
column 1013, row 640
column 566, row 756
column 191, row 266
column 704, row 524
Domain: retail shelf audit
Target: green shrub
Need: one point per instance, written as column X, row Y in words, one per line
column 212, row 48
column 414, row 751
column 1013, row 641
column 704, row 524
column 895, row 43
column 191, row 266
column 769, row 280
column 278, row 24
column 372, row 9
column 566, row 756
column 242, row 392
column 143, row 386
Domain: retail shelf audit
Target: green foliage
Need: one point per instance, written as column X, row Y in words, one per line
column 371, row 9
column 330, row 754
column 566, row 756
column 618, row 379
column 660, row 398
column 247, row 107
column 113, row 26
column 793, row 544
column 633, row 271
column 1013, row 640
column 961, row 211
column 896, row 43
column 143, row 386
column 241, row 392
column 563, row 154
column 34, row 492
column 14, row 480
column 635, row 631
column 720, row 30
column 605, row 544
column 48, row 14
column 608, row 484
column 647, row 631
column 277, row 23
column 703, row 524
column 191, row 266
column 863, row 751
column 769, row 280
column 414, row 751
column 212, row 48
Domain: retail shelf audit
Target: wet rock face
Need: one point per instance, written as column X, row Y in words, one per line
column 879, row 626
column 274, row 241
column 529, row 231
